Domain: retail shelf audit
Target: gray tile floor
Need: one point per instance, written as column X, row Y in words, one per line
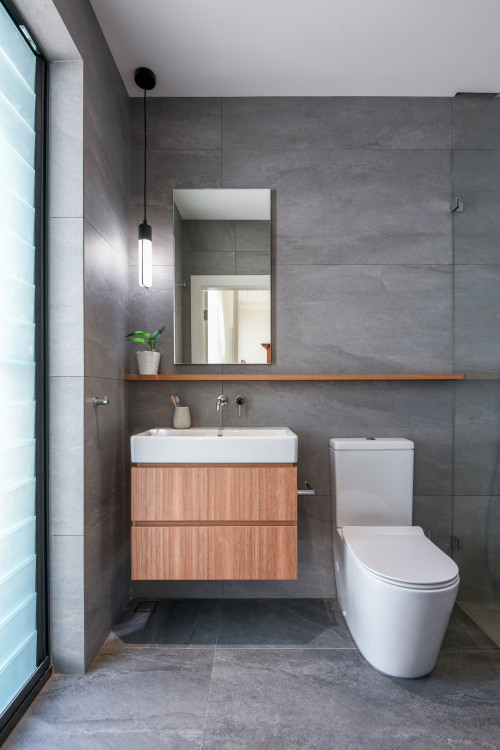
column 278, row 674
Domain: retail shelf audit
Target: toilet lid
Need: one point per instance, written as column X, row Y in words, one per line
column 401, row 555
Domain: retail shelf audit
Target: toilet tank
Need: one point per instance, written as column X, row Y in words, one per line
column 372, row 481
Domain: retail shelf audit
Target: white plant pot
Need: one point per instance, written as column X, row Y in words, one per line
column 148, row 362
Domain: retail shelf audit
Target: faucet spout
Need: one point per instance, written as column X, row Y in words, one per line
column 221, row 403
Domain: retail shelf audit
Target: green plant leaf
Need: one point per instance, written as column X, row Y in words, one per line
column 140, row 341
column 157, row 333
column 138, row 333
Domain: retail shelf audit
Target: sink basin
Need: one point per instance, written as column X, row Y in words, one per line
column 238, row 445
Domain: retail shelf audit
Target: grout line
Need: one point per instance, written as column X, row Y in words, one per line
column 208, row 698
column 289, row 648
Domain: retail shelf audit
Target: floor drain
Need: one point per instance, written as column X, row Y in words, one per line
column 146, row 607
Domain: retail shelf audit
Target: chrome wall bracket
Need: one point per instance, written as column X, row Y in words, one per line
column 308, row 491
column 100, row 401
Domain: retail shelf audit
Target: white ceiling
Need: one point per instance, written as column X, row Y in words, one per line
column 306, row 47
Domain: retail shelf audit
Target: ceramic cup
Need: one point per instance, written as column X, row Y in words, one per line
column 182, row 418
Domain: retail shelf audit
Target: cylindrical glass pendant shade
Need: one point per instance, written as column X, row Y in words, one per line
column 145, row 255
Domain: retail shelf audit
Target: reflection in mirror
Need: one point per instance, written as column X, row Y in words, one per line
column 222, row 256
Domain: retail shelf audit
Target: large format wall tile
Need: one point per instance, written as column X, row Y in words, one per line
column 66, row 456
column 66, row 139
column 316, row 412
column 477, row 437
column 467, row 109
column 477, row 318
column 353, row 206
column 434, row 515
column 151, row 405
column 183, row 123
column 107, row 573
column 96, row 107
column 66, row 299
column 363, row 319
column 150, row 309
column 484, row 132
column 336, row 122
column 476, row 181
column 362, row 282
column 67, row 616
column 106, row 307
column 106, row 449
column 477, row 527
column 106, row 154
column 166, row 170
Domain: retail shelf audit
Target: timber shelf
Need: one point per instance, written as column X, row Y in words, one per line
column 226, row 377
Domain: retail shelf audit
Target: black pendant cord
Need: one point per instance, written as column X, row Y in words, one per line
column 145, row 146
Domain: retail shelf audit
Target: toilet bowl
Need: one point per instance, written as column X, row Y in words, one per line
column 395, row 587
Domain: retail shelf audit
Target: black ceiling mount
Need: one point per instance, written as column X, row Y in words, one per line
column 145, row 79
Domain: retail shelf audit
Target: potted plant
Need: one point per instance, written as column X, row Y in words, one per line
column 148, row 361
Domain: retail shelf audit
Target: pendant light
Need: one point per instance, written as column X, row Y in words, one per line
column 146, row 80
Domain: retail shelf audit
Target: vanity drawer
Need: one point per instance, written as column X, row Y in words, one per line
column 212, row 552
column 230, row 492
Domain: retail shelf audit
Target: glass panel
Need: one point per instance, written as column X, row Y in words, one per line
column 17, row 257
column 17, row 381
column 17, row 547
column 18, row 462
column 15, row 673
column 16, row 172
column 13, row 588
column 476, row 501
column 16, row 48
column 17, row 505
column 17, row 297
column 18, row 340
column 17, row 422
column 16, row 215
column 16, row 131
column 18, row 482
column 15, row 88
column 16, row 629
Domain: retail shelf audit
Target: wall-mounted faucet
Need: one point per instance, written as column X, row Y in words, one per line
column 239, row 401
column 222, row 401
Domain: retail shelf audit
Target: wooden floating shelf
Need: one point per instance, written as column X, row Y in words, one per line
column 291, row 377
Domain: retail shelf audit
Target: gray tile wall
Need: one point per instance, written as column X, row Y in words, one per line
column 362, row 282
column 89, row 316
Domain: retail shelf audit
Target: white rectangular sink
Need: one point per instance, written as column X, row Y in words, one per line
column 238, row 445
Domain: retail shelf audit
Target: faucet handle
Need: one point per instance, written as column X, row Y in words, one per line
column 239, row 401
column 221, row 402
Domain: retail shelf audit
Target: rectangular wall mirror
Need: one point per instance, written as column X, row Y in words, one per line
column 222, row 292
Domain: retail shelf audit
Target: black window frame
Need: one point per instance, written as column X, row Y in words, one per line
column 16, row 709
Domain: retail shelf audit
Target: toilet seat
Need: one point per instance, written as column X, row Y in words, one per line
column 401, row 555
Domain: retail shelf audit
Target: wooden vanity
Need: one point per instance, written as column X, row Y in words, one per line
column 214, row 521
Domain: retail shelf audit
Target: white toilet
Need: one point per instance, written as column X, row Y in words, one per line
column 396, row 588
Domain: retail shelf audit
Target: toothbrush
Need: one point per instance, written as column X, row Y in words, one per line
column 173, row 399
column 177, row 401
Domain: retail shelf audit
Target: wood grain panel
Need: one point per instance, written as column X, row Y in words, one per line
column 214, row 553
column 214, row 493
